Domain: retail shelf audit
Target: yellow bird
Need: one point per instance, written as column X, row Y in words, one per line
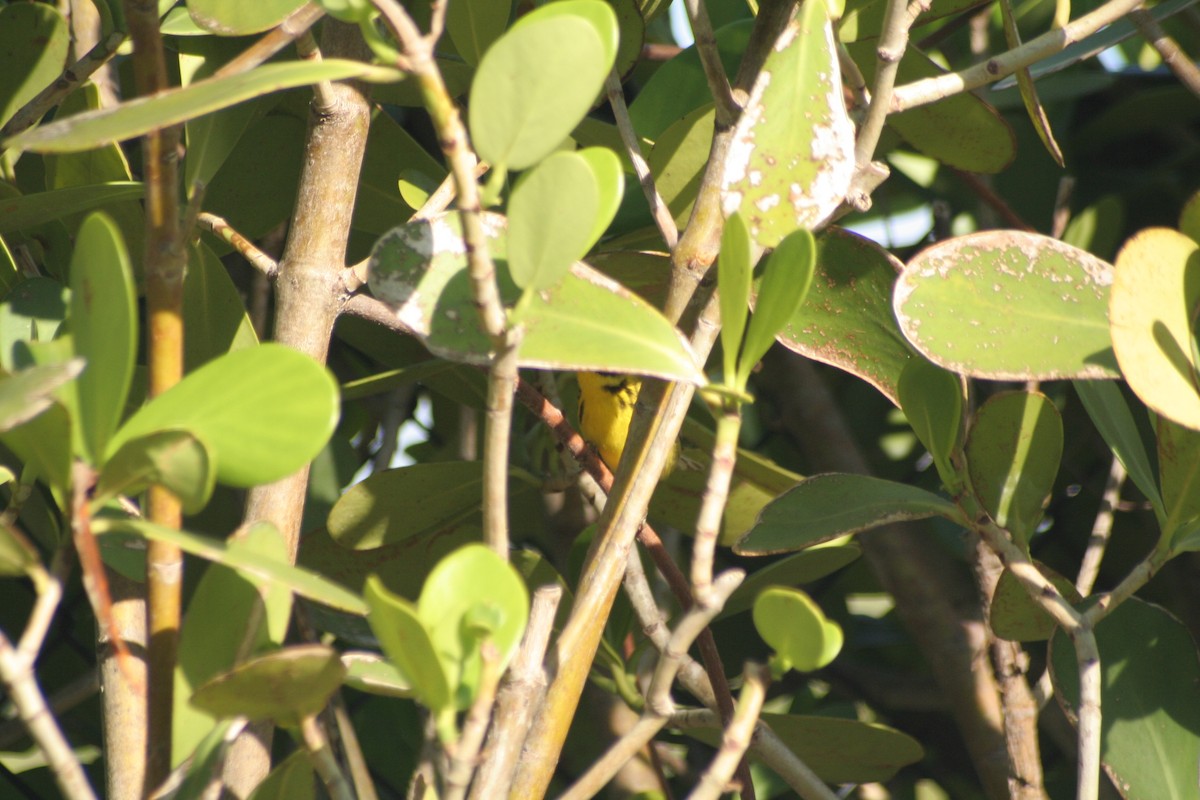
column 606, row 401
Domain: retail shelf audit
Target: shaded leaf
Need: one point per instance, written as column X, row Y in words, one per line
column 796, row 629
column 286, row 685
column 825, row 507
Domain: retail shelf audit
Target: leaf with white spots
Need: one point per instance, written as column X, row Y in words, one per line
column 792, row 154
column 1007, row 305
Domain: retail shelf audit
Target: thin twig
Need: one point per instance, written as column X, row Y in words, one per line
column 658, row 207
column 897, row 19
column 712, row 503
column 52, row 95
column 465, row 753
column 256, row 258
column 307, row 49
column 710, row 59
column 930, row 90
column 737, row 736
column 20, row 681
column 444, row 195
column 321, row 756
column 659, row 706
column 518, row 699
column 418, row 59
column 1089, row 567
column 1172, row 55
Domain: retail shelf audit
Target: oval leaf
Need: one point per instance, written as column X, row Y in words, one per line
column 398, row 504
column 792, row 154
column 932, row 400
column 825, row 507
column 538, row 80
column 175, row 460
column 103, row 328
column 1155, row 297
column 610, row 183
column 474, row 24
column 806, row 566
column 587, row 322
column 237, row 18
column 847, row 320
column 1007, row 305
column 286, row 685
column 1013, row 453
column 735, row 274
column 1015, row 616
column 35, row 41
column 473, row 586
column 551, row 215
column 795, row 627
column 407, row 644
column 144, row 114
column 781, row 292
column 265, row 412
column 30, row 391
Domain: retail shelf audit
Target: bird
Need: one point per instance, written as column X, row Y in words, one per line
column 606, row 401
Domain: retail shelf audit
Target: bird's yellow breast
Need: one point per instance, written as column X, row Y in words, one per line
column 606, row 403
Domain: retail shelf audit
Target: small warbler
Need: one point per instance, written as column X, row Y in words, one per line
column 606, row 401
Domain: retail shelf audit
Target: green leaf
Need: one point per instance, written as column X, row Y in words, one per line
column 408, row 645
column 28, row 392
column 1014, row 615
column 24, row 211
column 286, row 685
column 44, row 444
column 932, row 400
column 678, row 159
column 17, row 554
column 792, row 153
column 825, row 507
column 264, row 411
column 781, row 292
column 839, row 750
column 397, row 504
column 228, row 619
column 847, row 319
column 538, row 80
column 610, row 183
column 1008, row 305
column 104, row 326
column 392, row 157
column 587, row 322
column 470, row 585
column 213, row 313
column 373, row 674
column 1013, row 454
column 144, row 114
column 1155, row 297
column 474, row 24
column 1112, row 417
column 34, row 44
column 1179, row 474
column 678, row 88
column 808, row 565
column 735, row 273
column 1097, row 227
column 1150, row 694
column 551, row 215
column 256, row 567
column 234, row 18
column 796, row 629
column 176, row 460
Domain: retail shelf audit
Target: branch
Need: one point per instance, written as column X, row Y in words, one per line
column 1089, row 568
column 502, row 378
column 710, row 59
column 659, row 705
column 275, row 40
column 737, row 736
column 519, row 697
column 930, row 90
column 658, row 207
column 897, row 19
column 256, row 258
column 1176, row 60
